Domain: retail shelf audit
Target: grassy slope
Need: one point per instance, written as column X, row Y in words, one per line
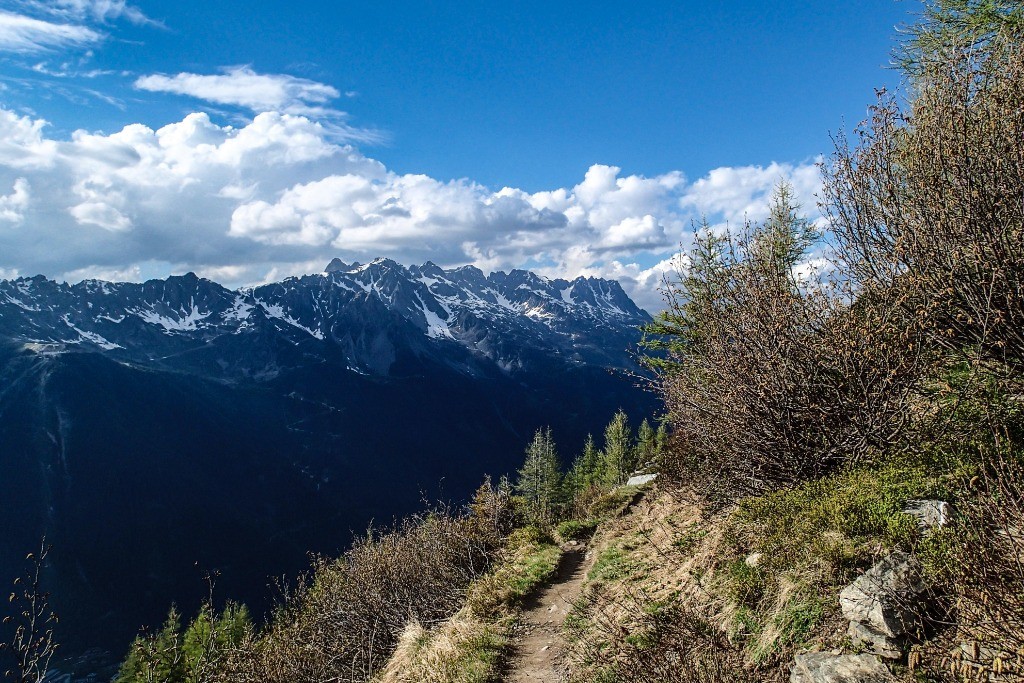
column 680, row 593
column 470, row 647
column 744, row 588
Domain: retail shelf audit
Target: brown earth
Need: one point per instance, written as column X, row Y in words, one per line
column 540, row 650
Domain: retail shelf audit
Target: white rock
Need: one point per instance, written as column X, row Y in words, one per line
column 822, row 667
column 885, row 599
column 929, row 513
column 641, row 479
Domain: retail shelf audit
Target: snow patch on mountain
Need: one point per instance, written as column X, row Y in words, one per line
column 276, row 311
column 85, row 336
column 366, row 312
column 436, row 327
column 188, row 322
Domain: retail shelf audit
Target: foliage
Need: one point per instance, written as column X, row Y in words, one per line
column 195, row 655
column 619, row 453
column 470, row 646
column 342, row 623
column 574, row 530
column 648, row 445
column 836, row 520
column 957, row 26
column 981, row 560
column 944, row 241
column 529, row 559
column 539, row 479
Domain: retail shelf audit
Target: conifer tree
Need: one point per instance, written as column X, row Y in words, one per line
column 661, row 440
column 155, row 657
column 210, row 636
column 171, row 656
column 646, row 444
column 539, row 479
column 590, row 463
column 584, row 474
column 619, row 451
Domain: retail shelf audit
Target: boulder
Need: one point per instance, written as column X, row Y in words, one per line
column 929, row 513
column 883, row 605
column 641, row 479
column 862, row 636
column 823, row 667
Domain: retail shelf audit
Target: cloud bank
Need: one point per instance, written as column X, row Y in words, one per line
column 281, row 195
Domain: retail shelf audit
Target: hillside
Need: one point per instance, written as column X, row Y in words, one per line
column 157, row 431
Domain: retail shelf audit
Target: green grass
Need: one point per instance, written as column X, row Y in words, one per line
column 794, row 623
column 531, row 559
column 575, row 530
column 814, row 538
column 609, row 565
column 746, row 585
column 615, row 564
column 835, row 518
column 480, row 657
column 535, row 569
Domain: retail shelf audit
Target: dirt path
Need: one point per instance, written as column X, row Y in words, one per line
column 540, row 649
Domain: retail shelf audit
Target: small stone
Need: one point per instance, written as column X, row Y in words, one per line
column 929, row 513
column 753, row 559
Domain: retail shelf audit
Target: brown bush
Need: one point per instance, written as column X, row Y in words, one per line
column 665, row 642
column 343, row 621
column 987, row 567
column 769, row 378
column 928, row 204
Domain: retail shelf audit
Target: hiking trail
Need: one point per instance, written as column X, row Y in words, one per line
column 540, row 648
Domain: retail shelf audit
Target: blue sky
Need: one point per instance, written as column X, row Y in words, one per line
column 357, row 129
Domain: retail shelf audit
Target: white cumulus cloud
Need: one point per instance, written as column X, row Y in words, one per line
column 281, row 195
column 13, row 205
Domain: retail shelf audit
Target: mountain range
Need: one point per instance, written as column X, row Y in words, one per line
column 156, row 431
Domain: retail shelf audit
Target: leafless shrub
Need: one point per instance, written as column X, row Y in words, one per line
column 633, row 639
column 343, row 621
column 987, row 568
column 770, row 378
column 927, row 204
column 32, row 643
